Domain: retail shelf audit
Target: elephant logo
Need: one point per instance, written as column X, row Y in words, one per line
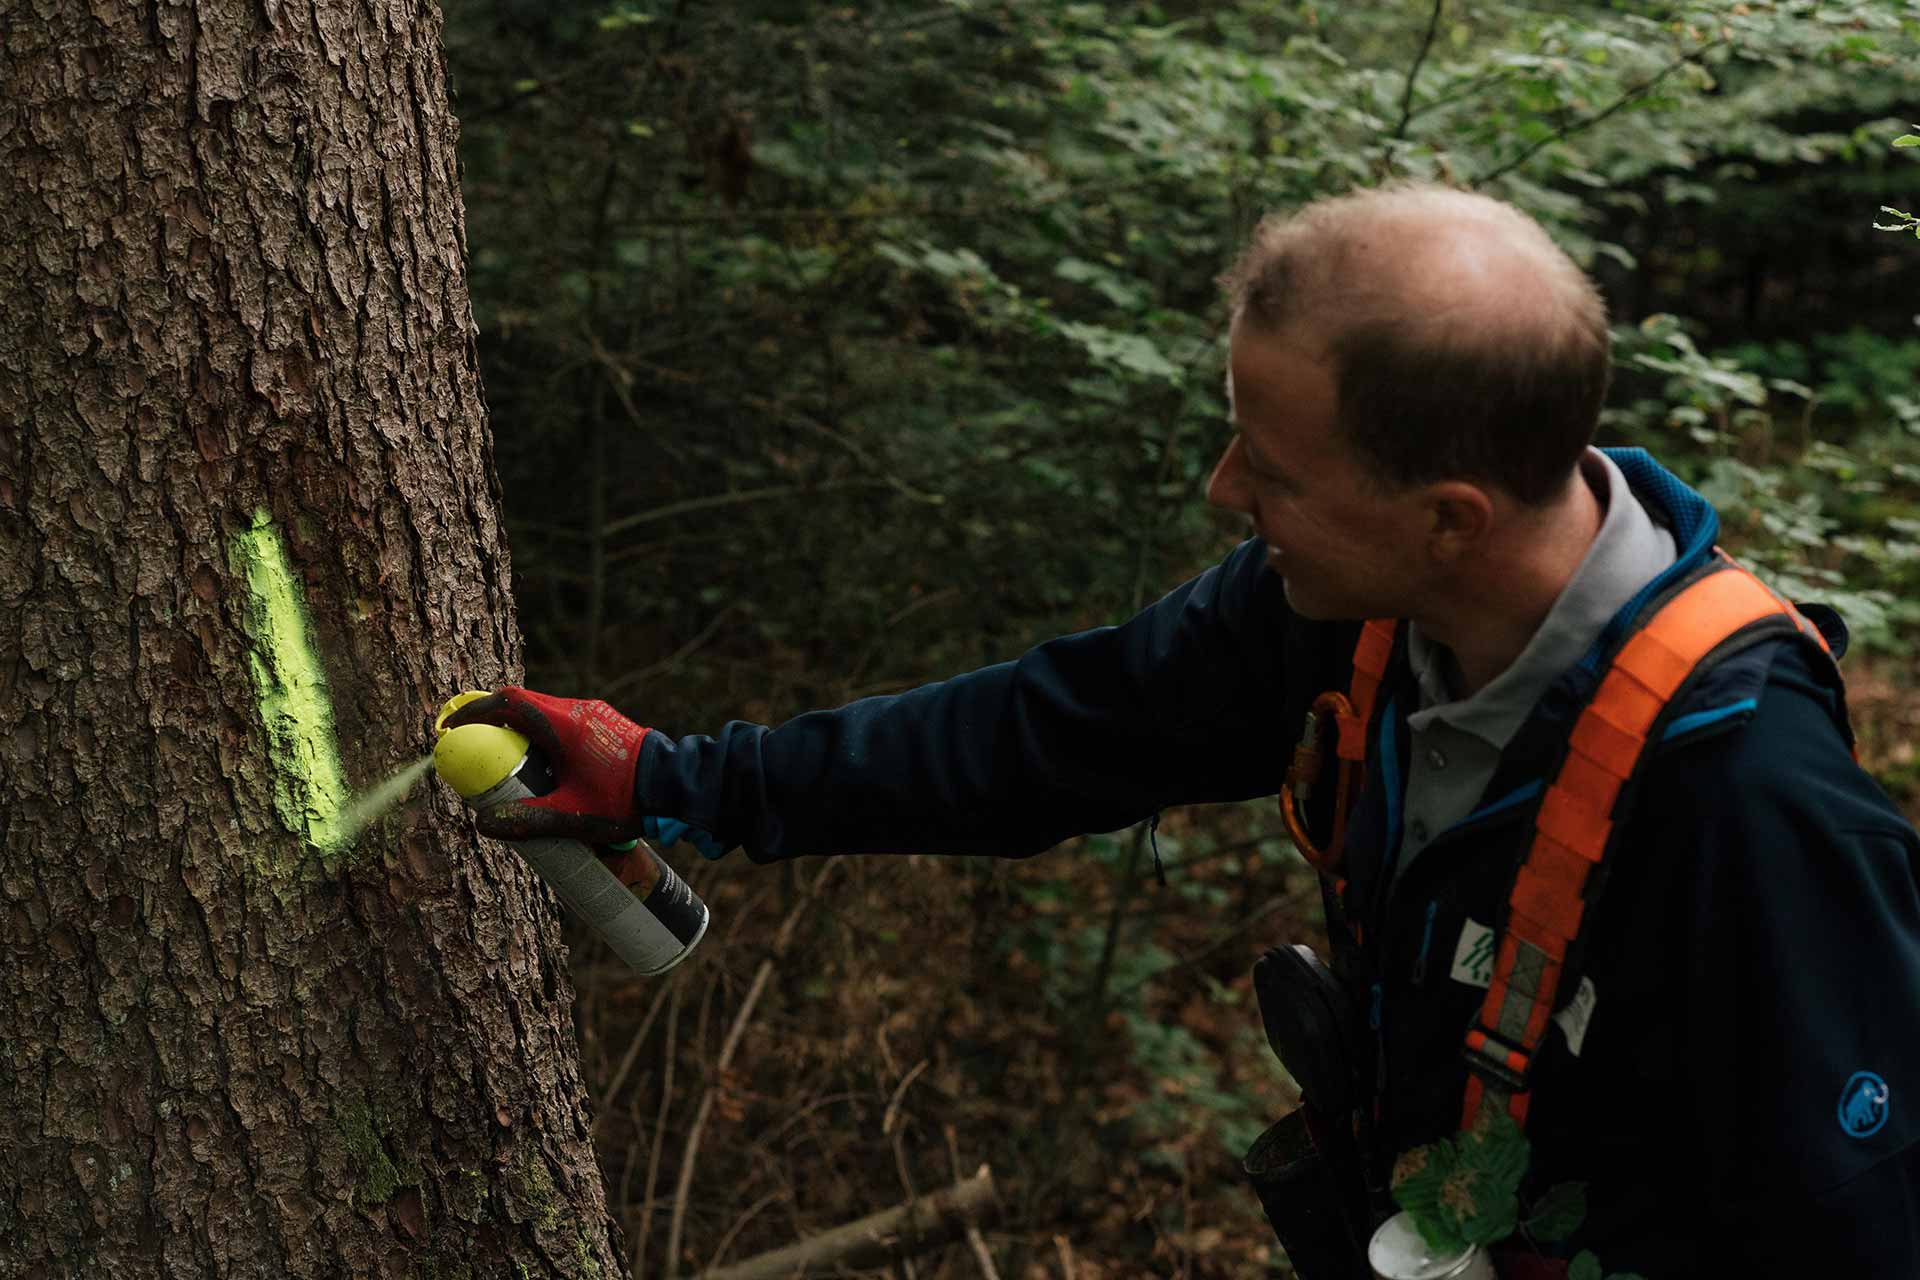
column 1864, row 1105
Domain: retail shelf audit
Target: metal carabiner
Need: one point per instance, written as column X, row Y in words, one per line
column 1308, row 759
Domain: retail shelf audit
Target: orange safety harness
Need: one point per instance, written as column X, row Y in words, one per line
column 1717, row 611
column 1350, row 713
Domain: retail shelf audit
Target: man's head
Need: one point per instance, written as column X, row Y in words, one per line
column 1414, row 371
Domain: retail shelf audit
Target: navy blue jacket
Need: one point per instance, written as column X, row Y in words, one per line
column 1748, row 1088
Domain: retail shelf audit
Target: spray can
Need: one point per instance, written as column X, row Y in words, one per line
column 625, row 893
column 1397, row 1252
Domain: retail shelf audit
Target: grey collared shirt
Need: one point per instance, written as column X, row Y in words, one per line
column 1457, row 741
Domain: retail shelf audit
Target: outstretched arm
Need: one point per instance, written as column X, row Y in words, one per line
column 1197, row 698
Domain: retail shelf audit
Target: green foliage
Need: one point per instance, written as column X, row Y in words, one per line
column 1466, row 1189
column 1585, row 1266
column 946, row 278
column 1756, row 427
column 1558, row 1214
column 1904, row 221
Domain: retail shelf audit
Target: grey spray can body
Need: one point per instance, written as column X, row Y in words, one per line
column 649, row 916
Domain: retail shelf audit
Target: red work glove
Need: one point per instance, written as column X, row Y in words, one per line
column 592, row 750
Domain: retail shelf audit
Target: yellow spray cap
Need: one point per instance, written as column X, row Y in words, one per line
column 474, row 758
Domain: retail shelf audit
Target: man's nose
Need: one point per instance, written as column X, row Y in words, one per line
column 1227, row 486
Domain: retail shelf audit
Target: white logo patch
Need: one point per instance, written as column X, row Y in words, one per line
column 1473, row 955
column 1579, row 1011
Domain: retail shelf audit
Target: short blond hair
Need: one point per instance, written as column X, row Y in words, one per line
column 1464, row 344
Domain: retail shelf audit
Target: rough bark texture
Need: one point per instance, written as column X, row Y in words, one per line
column 234, row 284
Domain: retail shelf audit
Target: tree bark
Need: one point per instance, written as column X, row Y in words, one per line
column 234, row 318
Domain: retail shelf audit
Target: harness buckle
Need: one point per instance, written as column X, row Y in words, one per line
column 1498, row 1062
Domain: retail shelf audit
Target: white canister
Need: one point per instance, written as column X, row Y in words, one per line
column 1397, row 1252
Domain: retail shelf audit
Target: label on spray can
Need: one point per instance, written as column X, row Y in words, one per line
column 665, row 895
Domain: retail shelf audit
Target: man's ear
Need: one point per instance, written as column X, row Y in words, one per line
column 1459, row 519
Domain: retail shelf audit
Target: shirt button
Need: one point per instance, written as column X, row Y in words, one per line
column 1418, row 831
column 1437, row 758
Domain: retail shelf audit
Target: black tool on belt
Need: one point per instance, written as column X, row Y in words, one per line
column 1309, row 1169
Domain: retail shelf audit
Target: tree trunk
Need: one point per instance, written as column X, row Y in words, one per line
column 234, row 319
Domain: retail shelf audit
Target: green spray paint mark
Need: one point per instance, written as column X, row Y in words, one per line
column 309, row 788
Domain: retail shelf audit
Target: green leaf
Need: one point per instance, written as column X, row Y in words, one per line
column 1559, row 1212
column 1584, row 1266
column 1419, row 1180
column 1495, row 1222
column 1907, row 140
column 1499, row 1153
column 1129, row 351
column 1477, row 1198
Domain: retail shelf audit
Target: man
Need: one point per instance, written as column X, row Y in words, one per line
column 1415, row 378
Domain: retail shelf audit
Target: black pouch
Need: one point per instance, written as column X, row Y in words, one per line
column 1309, row 1170
column 1302, row 1200
column 1310, row 1026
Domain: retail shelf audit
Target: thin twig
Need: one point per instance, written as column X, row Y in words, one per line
column 906, row 1179
column 1587, row 122
column 667, row 511
column 1466, row 89
column 1094, row 1004
column 659, row 1133
column 1413, row 73
column 690, row 1156
column 975, row 1240
column 1225, row 851
column 621, row 383
column 613, row 688
column 1068, row 1270
column 783, row 414
column 632, row 1054
column 692, row 1152
column 779, row 1131
column 893, row 1106
column 1211, row 947
column 979, row 1245
column 633, row 1148
column 726, row 1241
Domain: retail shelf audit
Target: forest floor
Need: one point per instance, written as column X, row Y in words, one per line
column 856, row 1032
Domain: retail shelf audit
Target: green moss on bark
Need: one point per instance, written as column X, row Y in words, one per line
column 377, row 1176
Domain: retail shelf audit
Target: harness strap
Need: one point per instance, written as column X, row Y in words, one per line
column 1349, row 715
column 1574, row 825
column 1370, row 658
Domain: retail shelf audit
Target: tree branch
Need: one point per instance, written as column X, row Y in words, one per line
column 913, row 1227
column 668, row 511
column 1587, row 122
column 1465, row 89
column 1413, row 73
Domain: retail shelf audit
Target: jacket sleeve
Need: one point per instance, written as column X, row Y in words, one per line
column 1803, row 999
column 1185, row 702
